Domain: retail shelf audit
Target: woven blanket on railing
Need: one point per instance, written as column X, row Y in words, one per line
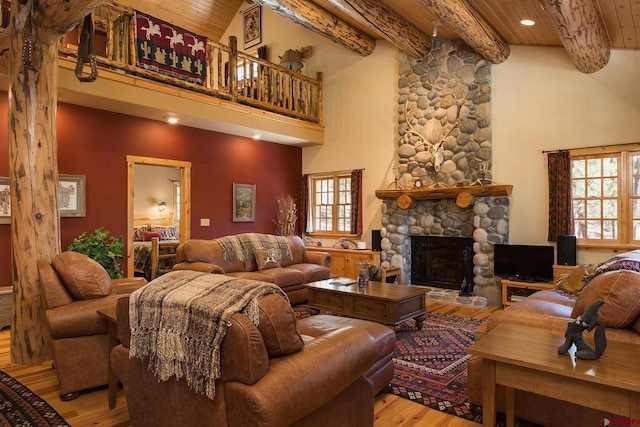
column 239, row 247
column 179, row 320
column 171, row 50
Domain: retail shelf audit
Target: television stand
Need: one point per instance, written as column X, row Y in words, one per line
column 513, row 290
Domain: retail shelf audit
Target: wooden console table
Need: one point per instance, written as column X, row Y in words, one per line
column 530, row 362
column 344, row 262
column 507, row 298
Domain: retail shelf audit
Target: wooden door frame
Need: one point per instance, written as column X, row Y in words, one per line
column 185, row 199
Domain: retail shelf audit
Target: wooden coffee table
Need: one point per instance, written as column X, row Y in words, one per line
column 380, row 302
column 526, row 358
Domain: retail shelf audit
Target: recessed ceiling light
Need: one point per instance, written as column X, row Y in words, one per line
column 173, row 120
column 256, row 136
column 528, row 22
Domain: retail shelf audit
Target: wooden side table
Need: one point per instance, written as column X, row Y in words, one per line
column 114, row 340
column 6, row 306
column 530, row 362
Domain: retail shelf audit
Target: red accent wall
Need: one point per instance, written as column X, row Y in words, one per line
column 95, row 143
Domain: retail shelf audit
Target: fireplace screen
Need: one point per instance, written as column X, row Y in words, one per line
column 443, row 262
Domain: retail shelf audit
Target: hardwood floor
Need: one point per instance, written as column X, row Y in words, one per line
column 91, row 408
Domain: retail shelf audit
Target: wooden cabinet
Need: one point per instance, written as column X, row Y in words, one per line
column 513, row 291
column 344, row 262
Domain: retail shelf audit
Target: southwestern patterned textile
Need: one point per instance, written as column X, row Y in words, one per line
column 22, row 407
column 171, row 50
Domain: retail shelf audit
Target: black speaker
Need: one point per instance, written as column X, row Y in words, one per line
column 566, row 250
column 376, row 240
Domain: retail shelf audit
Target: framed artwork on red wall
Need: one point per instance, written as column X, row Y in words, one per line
column 5, row 201
column 244, row 202
column 71, row 195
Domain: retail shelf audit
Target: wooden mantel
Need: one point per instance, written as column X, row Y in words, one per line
column 447, row 192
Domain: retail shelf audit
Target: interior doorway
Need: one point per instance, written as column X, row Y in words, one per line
column 183, row 203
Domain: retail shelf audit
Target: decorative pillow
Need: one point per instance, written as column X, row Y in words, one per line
column 266, row 258
column 626, row 261
column 83, row 277
column 278, row 326
column 572, row 283
column 166, row 232
column 620, row 291
column 137, row 232
column 148, row 235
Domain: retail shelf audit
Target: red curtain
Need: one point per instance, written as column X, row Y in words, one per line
column 356, row 201
column 560, row 206
column 304, row 203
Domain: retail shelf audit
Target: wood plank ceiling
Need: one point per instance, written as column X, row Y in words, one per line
column 492, row 25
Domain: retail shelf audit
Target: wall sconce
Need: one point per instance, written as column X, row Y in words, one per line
column 292, row 59
column 162, row 206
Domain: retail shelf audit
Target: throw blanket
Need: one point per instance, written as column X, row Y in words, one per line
column 240, row 247
column 179, row 320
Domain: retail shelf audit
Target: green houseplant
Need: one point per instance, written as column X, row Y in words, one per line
column 103, row 248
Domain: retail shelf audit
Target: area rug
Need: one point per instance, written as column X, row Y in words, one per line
column 431, row 363
column 20, row 407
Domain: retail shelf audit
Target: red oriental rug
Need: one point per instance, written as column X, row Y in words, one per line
column 431, row 364
column 21, row 407
column 168, row 49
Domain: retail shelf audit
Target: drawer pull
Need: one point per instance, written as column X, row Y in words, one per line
column 369, row 308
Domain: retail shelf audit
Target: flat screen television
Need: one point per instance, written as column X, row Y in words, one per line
column 528, row 263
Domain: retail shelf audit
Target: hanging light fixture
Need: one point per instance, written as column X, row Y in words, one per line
column 162, row 206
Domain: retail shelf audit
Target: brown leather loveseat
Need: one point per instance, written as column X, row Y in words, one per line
column 289, row 274
column 617, row 282
column 271, row 375
column 73, row 288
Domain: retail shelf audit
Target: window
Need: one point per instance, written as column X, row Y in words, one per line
column 606, row 197
column 331, row 203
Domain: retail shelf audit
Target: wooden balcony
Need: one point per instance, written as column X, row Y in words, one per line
column 231, row 75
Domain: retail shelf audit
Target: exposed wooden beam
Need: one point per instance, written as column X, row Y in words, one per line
column 33, row 163
column 317, row 19
column 395, row 29
column 581, row 32
column 473, row 29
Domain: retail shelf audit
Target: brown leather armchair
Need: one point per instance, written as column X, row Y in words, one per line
column 269, row 377
column 73, row 288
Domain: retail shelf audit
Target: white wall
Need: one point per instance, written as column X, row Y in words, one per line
column 152, row 185
column 540, row 101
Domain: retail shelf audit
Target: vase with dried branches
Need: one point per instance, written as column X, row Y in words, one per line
column 286, row 216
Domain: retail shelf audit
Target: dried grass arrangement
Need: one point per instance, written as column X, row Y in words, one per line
column 286, row 216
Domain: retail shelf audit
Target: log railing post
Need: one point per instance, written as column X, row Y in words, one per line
column 233, row 68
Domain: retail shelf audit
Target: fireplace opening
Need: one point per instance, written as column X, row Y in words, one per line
column 442, row 262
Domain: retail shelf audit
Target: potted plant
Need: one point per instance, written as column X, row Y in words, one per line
column 103, row 248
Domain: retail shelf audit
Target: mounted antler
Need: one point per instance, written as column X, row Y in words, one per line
column 436, row 149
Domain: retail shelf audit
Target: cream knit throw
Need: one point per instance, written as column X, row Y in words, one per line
column 178, row 322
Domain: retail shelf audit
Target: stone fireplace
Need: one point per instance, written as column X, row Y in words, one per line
column 443, row 185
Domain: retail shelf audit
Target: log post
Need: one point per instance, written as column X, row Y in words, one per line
column 33, row 164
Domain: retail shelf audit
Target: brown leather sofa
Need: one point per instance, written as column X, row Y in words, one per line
column 319, row 380
column 72, row 290
column 291, row 275
column 553, row 310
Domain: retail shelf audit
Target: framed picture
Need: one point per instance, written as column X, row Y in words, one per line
column 252, row 26
column 244, row 202
column 71, row 195
column 5, row 201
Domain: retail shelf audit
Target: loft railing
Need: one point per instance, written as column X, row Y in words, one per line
column 231, row 75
